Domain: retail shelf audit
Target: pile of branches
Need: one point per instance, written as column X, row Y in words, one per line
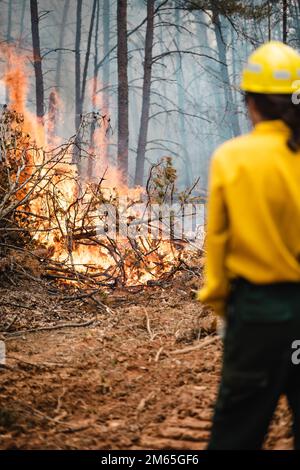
column 53, row 224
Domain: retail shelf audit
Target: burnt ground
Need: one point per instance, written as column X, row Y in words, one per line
column 121, row 381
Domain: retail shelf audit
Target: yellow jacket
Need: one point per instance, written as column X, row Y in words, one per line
column 253, row 224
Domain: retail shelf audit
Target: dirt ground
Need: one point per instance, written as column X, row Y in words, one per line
column 124, row 380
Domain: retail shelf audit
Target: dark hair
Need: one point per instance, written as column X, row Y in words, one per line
column 273, row 107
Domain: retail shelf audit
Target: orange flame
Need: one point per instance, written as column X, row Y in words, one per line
column 67, row 188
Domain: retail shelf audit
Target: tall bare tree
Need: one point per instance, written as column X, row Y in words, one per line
column 186, row 163
column 284, row 20
column 144, row 123
column 221, row 47
column 61, row 42
column 22, row 16
column 80, row 81
column 9, row 22
column 269, row 18
column 78, row 103
column 106, row 48
column 37, row 59
column 88, row 52
column 122, row 58
column 91, row 160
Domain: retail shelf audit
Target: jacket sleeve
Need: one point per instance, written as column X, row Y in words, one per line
column 216, row 286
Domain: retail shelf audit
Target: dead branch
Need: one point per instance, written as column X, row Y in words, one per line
column 207, row 341
column 148, row 326
column 54, row 327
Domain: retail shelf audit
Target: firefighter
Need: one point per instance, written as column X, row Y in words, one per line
column 252, row 274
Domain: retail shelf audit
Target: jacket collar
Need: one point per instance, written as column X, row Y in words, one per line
column 275, row 126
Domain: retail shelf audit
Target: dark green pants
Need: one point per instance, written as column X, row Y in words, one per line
column 263, row 322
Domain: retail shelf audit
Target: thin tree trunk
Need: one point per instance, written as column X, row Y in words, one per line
column 144, row 124
column 295, row 14
column 269, row 21
column 284, row 21
column 61, row 43
column 106, row 69
column 233, row 61
column 210, row 66
column 37, row 60
column 225, row 75
column 162, row 48
column 187, row 167
column 106, row 48
column 82, row 82
column 122, row 57
column 88, row 51
column 78, row 103
column 22, row 20
column 8, row 38
column 91, row 161
column 211, row 86
column 9, row 22
column 96, row 55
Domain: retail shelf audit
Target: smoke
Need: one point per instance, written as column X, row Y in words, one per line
column 195, row 98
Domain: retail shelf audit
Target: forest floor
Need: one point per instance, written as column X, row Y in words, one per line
column 123, row 380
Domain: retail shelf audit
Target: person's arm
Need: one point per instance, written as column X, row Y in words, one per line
column 216, row 287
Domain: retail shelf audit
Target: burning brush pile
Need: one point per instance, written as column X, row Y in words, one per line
column 55, row 224
column 60, row 222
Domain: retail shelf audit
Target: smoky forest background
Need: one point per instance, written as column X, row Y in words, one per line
column 164, row 74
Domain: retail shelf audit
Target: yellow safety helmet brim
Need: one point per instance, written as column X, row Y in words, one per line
column 274, row 68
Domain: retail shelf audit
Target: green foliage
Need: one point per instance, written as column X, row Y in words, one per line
column 161, row 183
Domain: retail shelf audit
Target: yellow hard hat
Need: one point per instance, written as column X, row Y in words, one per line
column 273, row 68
